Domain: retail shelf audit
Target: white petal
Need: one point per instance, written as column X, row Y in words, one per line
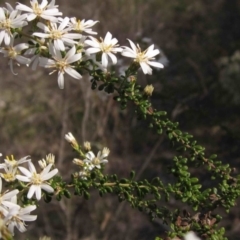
column 145, row 67
column 73, row 73
column 31, row 17
column 29, row 218
column 74, row 58
column 28, row 209
column 71, row 52
column 128, row 53
column 156, row 64
column 73, row 35
column 133, row 46
column 113, row 57
column 31, row 167
column 47, row 188
column 23, row 8
column 43, row 4
column 108, row 37
column 25, row 171
column 23, row 178
column 31, row 191
column 60, row 80
column 58, row 43
column 11, row 194
column 38, row 193
column 64, row 23
column 92, row 50
column 46, row 170
column 50, row 174
column 43, row 27
column 104, row 60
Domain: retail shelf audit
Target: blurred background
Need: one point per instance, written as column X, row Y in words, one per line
column 199, row 87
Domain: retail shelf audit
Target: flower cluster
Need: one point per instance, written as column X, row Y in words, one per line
column 11, row 212
column 90, row 161
column 63, row 44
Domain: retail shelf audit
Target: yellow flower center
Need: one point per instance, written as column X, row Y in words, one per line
column 6, row 25
column 12, row 53
column 8, row 177
column 37, row 10
column 96, row 161
column 56, row 34
column 36, row 179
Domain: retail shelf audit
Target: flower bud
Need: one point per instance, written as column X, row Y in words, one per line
column 148, row 90
column 87, row 146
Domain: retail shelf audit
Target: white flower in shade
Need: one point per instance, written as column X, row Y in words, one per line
column 82, row 25
column 62, row 64
column 17, row 217
column 10, row 173
column 0, row 154
column 59, row 34
column 37, row 181
column 191, row 236
column 43, row 10
column 13, row 162
column 83, row 174
column 107, row 46
column 10, row 19
column 93, row 161
column 143, row 58
column 70, row 138
column 6, row 197
column 14, row 54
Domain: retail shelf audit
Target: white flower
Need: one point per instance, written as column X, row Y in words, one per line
column 17, row 217
column 14, row 163
column 108, row 46
column 37, row 181
column 70, row 138
column 82, row 25
column 191, row 236
column 36, row 52
column 42, row 163
column 50, row 158
column 83, row 174
column 10, row 19
column 6, row 197
column 59, row 34
column 143, row 58
column 14, row 53
column 43, row 10
column 62, row 64
column 93, row 161
column 10, row 173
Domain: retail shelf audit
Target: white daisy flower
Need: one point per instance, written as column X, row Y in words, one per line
column 62, row 64
column 59, row 34
column 13, row 162
column 82, row 25
column 10, row 173
column 6, row 197
column 10, row 19
column 143, row 58
column 14, row 53
column 43, row 10
column 37, row 181
column 93, row 161
column 17, row 217
column 108, row 46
